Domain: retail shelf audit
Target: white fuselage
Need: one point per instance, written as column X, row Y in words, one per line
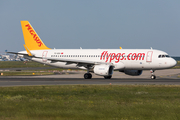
column 121, row 59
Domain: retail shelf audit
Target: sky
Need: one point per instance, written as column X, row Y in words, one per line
column 93, row 24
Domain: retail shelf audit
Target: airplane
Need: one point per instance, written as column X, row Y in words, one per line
column 102, row 62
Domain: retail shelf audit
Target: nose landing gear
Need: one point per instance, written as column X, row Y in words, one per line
column 153, row 77
column 152, row 74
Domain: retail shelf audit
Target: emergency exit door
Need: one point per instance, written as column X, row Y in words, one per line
column 44, row 55
column 149, row 56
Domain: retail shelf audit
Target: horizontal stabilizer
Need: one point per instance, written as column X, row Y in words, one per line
column 17, row 53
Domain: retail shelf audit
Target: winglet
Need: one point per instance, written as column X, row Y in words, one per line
column 31, row 38
column 28, row 51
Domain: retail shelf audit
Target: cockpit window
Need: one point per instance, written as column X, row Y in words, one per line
column 159, row 56
column 163, row 56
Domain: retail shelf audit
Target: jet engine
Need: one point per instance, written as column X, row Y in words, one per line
column 103, row 70
column 132, row 72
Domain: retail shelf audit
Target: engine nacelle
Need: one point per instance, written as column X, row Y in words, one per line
column 103, row 70
column 132, row 72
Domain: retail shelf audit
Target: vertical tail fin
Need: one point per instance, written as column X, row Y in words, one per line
column 31, row 38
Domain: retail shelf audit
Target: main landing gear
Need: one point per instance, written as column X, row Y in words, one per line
column 87, row 76
column 152, row 74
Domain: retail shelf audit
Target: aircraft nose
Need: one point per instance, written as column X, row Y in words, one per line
column 173, row 62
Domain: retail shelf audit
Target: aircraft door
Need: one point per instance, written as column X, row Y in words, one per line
column 44, row 55
column 149, row 56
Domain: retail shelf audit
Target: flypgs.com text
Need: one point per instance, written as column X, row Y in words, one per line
column 121, row 56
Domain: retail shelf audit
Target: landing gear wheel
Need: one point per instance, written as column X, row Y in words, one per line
column 87, row 76
column 107, row 77
column 152, row 74
column 153, row 77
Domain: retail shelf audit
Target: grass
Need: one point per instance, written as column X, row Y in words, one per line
column 26, row 73
column 20, row 64
column 79, row 102
column 29, row 64
column 177, row 66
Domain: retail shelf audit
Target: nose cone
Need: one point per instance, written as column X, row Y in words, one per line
column 173, row 62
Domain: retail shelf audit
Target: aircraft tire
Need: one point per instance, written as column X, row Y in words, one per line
column 107, row 77
column 87, row 76
column 153, row 77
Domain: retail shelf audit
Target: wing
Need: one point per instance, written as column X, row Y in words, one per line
column 71, row 61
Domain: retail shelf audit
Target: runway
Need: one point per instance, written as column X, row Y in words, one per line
column 75, row 81
column 164, row 77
